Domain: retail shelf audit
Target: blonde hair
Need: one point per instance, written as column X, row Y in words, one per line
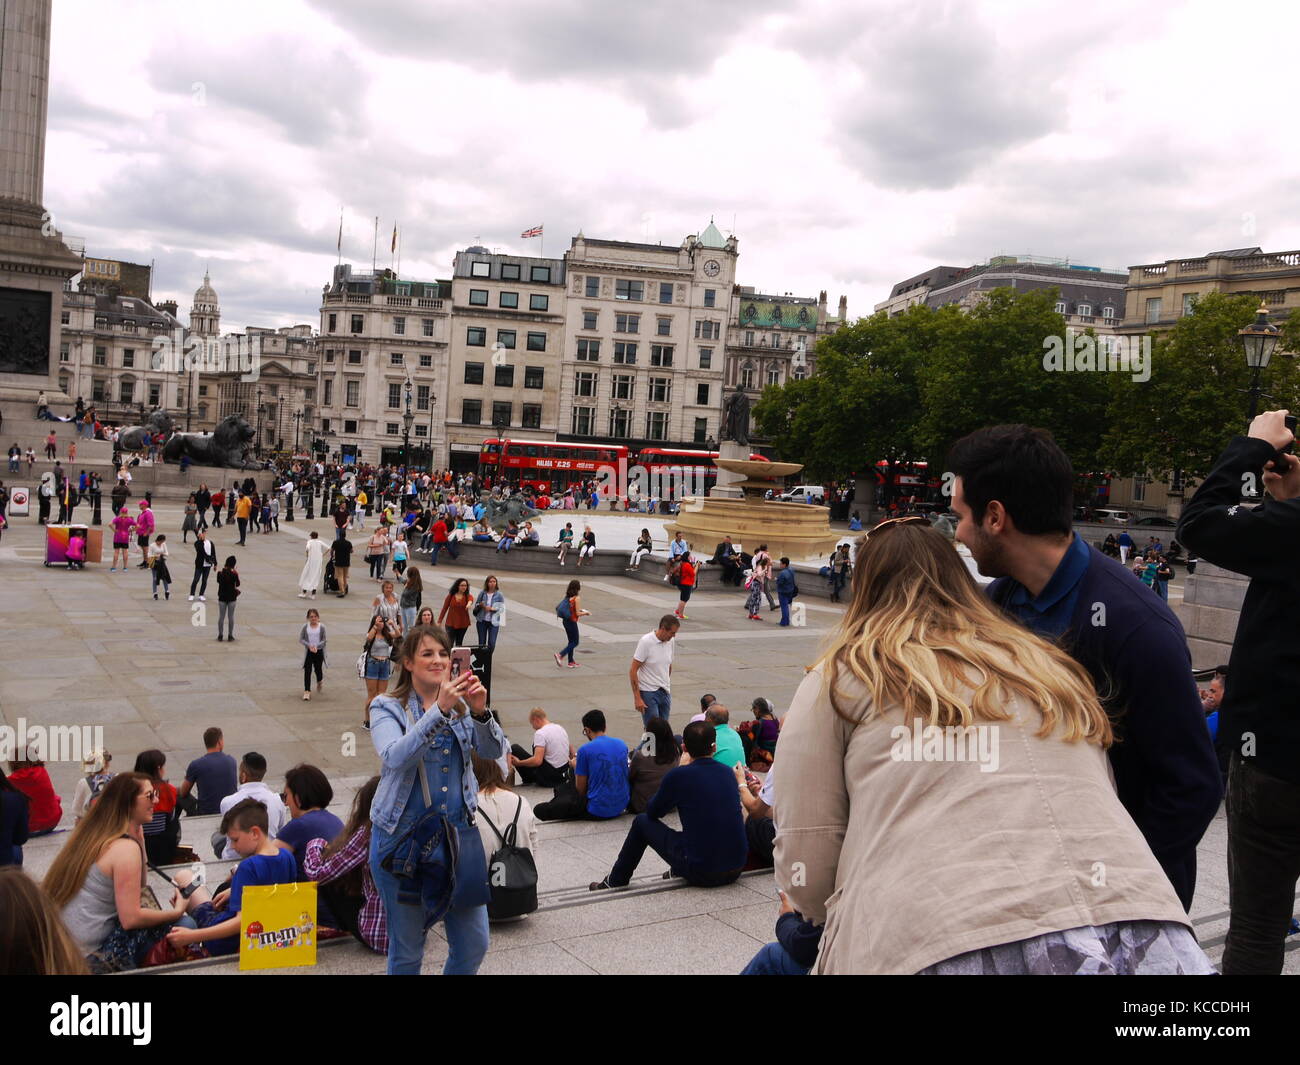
column 921, row 635
column 33, row 939
column 107, row 820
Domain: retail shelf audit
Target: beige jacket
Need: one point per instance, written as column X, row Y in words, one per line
column 908, row 861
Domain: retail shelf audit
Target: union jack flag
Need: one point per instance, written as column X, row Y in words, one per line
column 536, row 231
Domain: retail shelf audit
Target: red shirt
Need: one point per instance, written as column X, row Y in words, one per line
column 687, row 575
column 44, row 810
column 439, row 532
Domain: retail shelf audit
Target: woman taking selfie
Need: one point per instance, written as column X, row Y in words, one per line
column 946, row 801
column 424, row 733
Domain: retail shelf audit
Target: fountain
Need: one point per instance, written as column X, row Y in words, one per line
column 798, row 531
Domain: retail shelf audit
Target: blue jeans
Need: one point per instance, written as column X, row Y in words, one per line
column 785, row 608
column 408, row 618
column 571, row 631
column 466, row 926
column 657, row 704
column 487, row 634
column 773, row 960
column 446, row 545
column 670, row 845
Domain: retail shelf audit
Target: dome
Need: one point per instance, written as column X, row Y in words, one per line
column 205, row 295
column 477, row 249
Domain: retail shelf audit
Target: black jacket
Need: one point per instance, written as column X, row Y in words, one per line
column 202, row 557
column 1260, row 713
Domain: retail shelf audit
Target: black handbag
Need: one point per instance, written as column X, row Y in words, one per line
column 512, row 873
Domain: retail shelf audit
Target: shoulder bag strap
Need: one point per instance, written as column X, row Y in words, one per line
column 424, row 776
column 483, row 814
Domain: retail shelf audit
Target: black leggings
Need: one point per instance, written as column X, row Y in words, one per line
column 200, row 580
column 313, row 660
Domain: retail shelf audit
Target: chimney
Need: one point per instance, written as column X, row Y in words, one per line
column 844, row 308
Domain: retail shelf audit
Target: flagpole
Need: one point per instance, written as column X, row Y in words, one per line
column 340, row 262
column 374, row 251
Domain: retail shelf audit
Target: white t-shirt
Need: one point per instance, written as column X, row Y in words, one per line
column 656, row 659
column 556, row 741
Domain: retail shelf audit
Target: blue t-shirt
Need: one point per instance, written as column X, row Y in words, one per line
column 317, row 824
column 215, row 775
column 259, row 870
column 603, row 762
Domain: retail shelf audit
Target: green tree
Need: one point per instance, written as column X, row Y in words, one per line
column 1195, row 400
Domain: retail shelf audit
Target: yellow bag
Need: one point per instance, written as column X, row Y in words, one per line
column 277, row 926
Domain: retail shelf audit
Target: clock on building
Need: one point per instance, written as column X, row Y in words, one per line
column 712, row 267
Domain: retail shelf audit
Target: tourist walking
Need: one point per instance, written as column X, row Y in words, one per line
column 388, row 605
column 489, row 612
column 191, row 521
column 400, row 550
column 411, row 599
column 569, row 611
column 158, row 570
column 144, row 527
column 243, row 508
column 377, row 553
column 312, row 638
column 455, row 611
column 227, row 593
column 313, row 569
column 761, row 564
column 123, row 525
column 341, row 554
column 686, row 575
column 381, row 638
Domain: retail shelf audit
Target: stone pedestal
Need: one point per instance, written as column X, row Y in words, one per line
column 725, row 488
column 1209, row 612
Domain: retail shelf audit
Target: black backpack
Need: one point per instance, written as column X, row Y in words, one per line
column 512, row 873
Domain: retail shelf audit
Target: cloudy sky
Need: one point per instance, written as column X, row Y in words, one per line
column 847, row 143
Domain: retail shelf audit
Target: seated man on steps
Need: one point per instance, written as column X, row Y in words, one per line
column 548, row 765
column 600, row 790
column 711, row 848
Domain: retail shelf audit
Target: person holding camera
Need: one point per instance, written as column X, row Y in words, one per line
column 1257, row 722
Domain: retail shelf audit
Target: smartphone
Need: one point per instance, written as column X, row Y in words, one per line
column 460, row 661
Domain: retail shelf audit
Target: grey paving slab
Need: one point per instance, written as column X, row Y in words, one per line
column 692, row 946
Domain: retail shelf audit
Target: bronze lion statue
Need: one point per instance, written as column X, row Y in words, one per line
column 225, row 446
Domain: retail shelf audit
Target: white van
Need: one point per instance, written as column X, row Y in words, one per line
column 805, row 493
column 1112, row 517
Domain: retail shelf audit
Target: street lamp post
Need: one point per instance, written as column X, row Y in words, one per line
column 258, row 445
column 433, row 401
column 1259, row 340
column 408, row 418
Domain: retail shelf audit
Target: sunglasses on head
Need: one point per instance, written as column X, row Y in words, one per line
column 910, row 519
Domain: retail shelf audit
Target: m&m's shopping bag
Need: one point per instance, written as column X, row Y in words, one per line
column 277, row 926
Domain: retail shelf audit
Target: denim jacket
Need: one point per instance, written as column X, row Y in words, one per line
column 400, row 752
column 495, row 599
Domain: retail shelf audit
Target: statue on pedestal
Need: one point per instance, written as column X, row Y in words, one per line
column 735, row 418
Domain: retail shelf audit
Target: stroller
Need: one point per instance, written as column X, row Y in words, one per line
column 331, row 582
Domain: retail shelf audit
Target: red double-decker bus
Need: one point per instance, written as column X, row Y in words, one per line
column 695, row 465
column 543, row 466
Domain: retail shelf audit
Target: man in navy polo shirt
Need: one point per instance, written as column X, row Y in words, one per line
column 1014, row 497
column 215, row 775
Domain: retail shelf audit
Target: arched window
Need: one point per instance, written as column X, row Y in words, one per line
column 774, row 375
column 800, row 372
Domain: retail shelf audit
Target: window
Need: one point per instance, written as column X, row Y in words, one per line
column 624, row 386
column 1139, row 489
column 311, row 369
column 399, row 326
column 325, row 425
column 589, row 319
column 354, row 394
column 354, row 358
column 539, row 302
column 627, row 323
column 701, row 395
column 421, row 430
column 309, row 394
column 710, row 297
column 593, row 287
column 155, row 395
column 800, row 372
column 656, row 425
column 773, row 375
column 126, row 392
column 128, row 357
column 1153, row 309
column 478, row 297
column 506, row 338
column 509, row 271
column 65, row 318
column 394, row 393
column 663, row 327
column 532, row 416
column 584, row 421
column 349, row 425
column 473, row 373
column 706, row 358
column 471, row 411
column 64, row 356
column 660, row 389
column 707, row 330
column 534, row 376
column 701, row 430
column 584, row 384
column 665, row 292
column 620, row 423
column 749, row 338
column 540, row 274
column 1108, row 312
column 588, row 350
column 536, row 342
column 1189, row 304
column 476, row 336
column 624, row 352
column 504, row 377
column 391, row 428
column 629, row 290
column 480, row 269
column 333, row 322
column 96, row 390
column 395, row 358
column 329, row 392
column 1084, row 309
column 747, row 376
column 428, row 326
column 661, row 354
column 329, row 355
column 508, row 300
column 502, row 413
column 1060, row 306
column 358, row 323
column 426, row 359
column 421, row 397
column 101, row 355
